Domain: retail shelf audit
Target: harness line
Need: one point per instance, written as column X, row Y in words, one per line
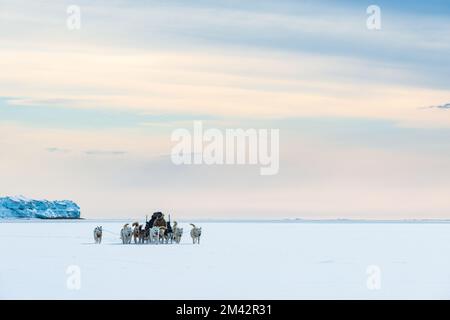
column 111, row 232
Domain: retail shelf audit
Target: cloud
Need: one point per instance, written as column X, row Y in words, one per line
column 442, row 107
column 105, row 152
column 57, row 150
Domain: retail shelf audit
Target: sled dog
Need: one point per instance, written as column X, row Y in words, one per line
column 126, row 234
column 143, row 236
column 177, row 232
column 162, row 234
column 196, row 234
column 154, row 234
column 98, row 234
column 135, row 232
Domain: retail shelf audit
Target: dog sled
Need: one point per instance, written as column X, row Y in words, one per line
column 155, row 231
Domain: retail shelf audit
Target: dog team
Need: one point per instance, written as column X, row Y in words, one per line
column 155, row 231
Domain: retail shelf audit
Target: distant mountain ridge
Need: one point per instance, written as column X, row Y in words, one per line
column 21, row 207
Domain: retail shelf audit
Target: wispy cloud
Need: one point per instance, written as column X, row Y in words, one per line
column 442, row 107
column 105, row 152
column 57, row 150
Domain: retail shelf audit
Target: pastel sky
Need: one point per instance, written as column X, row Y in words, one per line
column 364, row 115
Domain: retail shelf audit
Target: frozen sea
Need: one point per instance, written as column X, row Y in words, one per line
column 235, row 260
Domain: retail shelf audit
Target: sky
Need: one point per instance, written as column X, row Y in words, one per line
column 363, row 115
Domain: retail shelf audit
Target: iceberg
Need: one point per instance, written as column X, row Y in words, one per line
column 24, row 208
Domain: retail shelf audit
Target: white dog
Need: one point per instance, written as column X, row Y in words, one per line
column 154, row 234
column 177, row 232
column 98, row 234
column 195, row 234
column 126, row 234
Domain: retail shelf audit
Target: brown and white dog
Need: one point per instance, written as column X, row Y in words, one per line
column 195, row 234
column 162, row 234
column 98, row 233
column 135, row 226
column 143, row 236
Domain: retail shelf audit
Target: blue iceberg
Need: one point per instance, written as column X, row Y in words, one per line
column 21, row 207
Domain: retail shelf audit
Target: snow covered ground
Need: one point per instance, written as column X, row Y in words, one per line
column 42, row 259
